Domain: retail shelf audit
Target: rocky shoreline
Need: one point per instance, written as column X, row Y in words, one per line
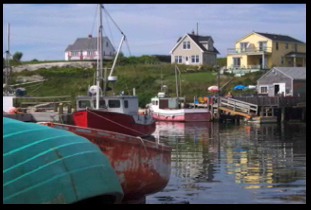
column 74, row 64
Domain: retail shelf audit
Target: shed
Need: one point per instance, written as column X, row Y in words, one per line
column 286, row 81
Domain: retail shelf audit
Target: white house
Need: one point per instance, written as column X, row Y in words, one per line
column 193, row 49
column 86, row 49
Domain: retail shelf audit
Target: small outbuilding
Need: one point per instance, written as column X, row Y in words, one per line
column 283, row 81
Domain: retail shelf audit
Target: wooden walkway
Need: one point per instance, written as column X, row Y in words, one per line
column 238, row 107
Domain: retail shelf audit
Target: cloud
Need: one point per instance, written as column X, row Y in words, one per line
column 43, row 31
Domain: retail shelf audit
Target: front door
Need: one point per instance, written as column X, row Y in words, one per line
column 279, row 89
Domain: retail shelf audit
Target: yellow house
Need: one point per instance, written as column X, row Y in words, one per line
column 264, row 51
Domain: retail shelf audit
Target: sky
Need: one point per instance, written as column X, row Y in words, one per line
column 43, row 31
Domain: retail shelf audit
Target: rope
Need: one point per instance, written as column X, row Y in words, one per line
column 128, row 128
column 112, row 20
column 152, row 160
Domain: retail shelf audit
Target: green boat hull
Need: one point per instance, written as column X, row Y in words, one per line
column 47, row 165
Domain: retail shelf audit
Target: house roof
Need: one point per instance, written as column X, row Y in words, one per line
column 296, row 54
column 293, row 72
column 89, row 43
column 197, row 39
column 278, row 37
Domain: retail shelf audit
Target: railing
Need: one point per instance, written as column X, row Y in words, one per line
column 42, row 103
column 238, row 106
column 256, row 50
column 277, row 101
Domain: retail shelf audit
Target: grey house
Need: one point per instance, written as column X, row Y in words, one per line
column 86, row 49
column 287, row 81
column 195, row 50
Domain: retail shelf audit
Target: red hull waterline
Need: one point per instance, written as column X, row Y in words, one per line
column 143, row 166
column 187, row 117
column 112, row 121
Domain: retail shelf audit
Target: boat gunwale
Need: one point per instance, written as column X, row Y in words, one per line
column 103, row 133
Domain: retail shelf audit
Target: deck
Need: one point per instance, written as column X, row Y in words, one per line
column 261, row 109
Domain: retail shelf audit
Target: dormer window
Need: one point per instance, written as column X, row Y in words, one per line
column 186, row 45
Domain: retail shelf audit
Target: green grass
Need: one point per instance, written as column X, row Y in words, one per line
column 146, row 79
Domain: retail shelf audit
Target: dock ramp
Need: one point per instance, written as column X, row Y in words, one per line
column 238, row 107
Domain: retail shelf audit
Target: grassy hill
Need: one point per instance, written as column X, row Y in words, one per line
column 145, row 78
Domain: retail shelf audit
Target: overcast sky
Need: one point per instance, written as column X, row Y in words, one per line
column 43, row 31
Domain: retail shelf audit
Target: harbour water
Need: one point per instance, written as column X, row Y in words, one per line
column 216, row 163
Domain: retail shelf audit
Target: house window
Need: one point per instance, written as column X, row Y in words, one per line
column 243, row 46
column 178, row 59
column 75, row 53
column 236, row 62
column 90, row 53
column 277, row 46
column 195, row 59
column 262, row 46
column 186, row 45
column 264, row 89
column 286, row 46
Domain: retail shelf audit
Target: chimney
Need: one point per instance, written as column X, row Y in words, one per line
column 90, row 35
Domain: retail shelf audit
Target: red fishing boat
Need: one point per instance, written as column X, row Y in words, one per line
column 118, row 113
column 143, row 166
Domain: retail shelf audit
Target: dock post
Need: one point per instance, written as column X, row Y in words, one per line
column 69, row 109
column 282, row 114
column 60, row 110
column 303, row 112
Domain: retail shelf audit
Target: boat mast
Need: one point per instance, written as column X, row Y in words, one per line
column 100, row 56
column 8, row 68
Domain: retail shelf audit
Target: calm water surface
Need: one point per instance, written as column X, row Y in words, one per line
column 234, row 164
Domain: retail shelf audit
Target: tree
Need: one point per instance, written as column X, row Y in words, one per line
column 17, row 56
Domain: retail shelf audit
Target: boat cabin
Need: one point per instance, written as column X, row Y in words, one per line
column 121, row 104
column 168, row 102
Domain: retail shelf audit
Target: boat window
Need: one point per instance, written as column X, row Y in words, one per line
column 114, row 103
column 126, row 104
column 102, row 104
column 155, row 102
column 84, row 104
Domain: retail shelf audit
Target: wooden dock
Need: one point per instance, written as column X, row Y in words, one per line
column 262, row 109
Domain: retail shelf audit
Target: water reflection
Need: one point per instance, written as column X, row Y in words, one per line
column 216, row 163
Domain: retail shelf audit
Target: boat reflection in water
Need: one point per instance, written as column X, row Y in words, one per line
column 217, row 163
